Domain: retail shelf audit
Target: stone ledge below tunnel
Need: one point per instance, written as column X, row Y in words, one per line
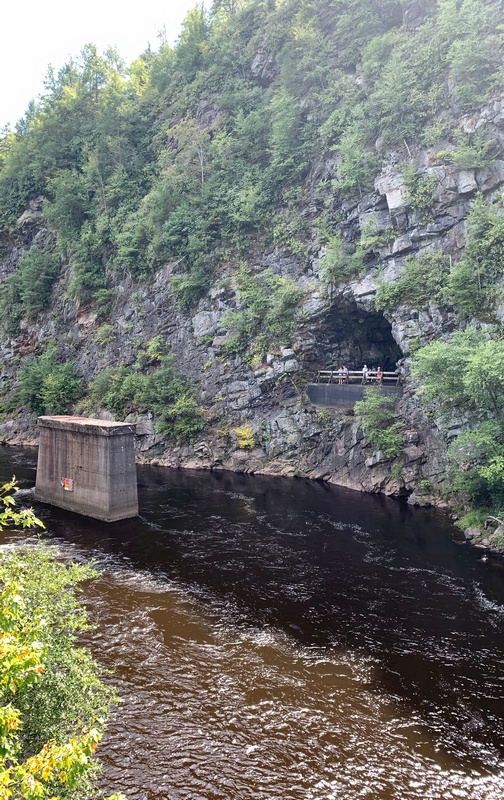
column 345, row 396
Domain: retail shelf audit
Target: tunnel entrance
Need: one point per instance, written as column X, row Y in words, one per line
column 352, row 336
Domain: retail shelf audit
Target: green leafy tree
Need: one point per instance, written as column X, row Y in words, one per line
column 475, row 52
column 183, row 418
column 190, row 52
column 70, row 206
column 163, row 392
column 175, row 410
column 380, row 421
column 473, row 279
column 423, row 281
column 266, row 305
column 358, row 166
column 440, row 367
column 338, row 262
column 47, row 386
column 420, row 191
column 462, row 378
column 28, row 290
column 472, row 151
column 287, row 146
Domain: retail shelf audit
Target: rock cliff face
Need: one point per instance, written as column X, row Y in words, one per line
column 339, row 324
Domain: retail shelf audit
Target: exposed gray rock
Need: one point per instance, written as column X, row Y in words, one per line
column 378, row 457
column 391, row 184
column 466, row 182
column 205, row 323
column 490, row 177
column 33, row 215
column 263, row 67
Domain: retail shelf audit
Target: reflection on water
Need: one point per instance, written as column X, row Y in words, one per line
column 275, row 638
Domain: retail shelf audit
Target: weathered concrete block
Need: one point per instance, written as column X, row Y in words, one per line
column 87, row 466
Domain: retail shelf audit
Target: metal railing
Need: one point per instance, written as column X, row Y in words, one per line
column 335, row 376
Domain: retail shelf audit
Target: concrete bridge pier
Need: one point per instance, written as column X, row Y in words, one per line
column 87, row 466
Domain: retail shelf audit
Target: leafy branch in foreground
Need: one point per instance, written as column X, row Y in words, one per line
column 52, row 703
column 9, row 517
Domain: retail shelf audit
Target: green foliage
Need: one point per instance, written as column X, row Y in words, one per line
column 9, row 516
column 472, row 281
column 288, row 158
column 53, row 704
column 156, row 349
column 469, row 284
column 48, row 386
column 120, row 390
column 380, row 422
column 102, row 300
column 477, row 457
column 423, row 281
column 169, row 398
column 267, row 306
column 188, row 287
column 145, row 359
column 164, row 393
column 28, row 290
column 354, row 29
column 71, row 205
column 462, row 377
column 388, row 295
column 105, row 335
column 88, row 268
column 188, row 157
column 325, row 418
column 457, row 43
column 424, row 485
column 402, row 97
column 132, row 242
column 358, row 166
column 289, row 224
column 183, row 418
column 474, row 55
column 338, row 262
column 447, row 370
column 420, row 189
column 373, row 237
column 492, row 473
column 472, row 151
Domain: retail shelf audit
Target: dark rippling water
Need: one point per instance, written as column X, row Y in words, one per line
column 282, row 639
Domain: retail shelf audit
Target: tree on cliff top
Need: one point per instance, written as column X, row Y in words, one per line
column 267, row 87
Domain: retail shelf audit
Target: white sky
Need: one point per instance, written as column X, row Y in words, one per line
column 36, row 33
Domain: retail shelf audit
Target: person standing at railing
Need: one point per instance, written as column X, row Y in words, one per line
column 379, row 375
column 340, row 376
column 345, row 374
column 364, row 374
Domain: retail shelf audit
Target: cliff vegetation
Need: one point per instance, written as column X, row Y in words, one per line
column 295, row 184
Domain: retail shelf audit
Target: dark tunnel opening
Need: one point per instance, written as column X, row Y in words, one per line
column 352, row 336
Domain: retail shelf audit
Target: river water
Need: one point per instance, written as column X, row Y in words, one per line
column 275, row 638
